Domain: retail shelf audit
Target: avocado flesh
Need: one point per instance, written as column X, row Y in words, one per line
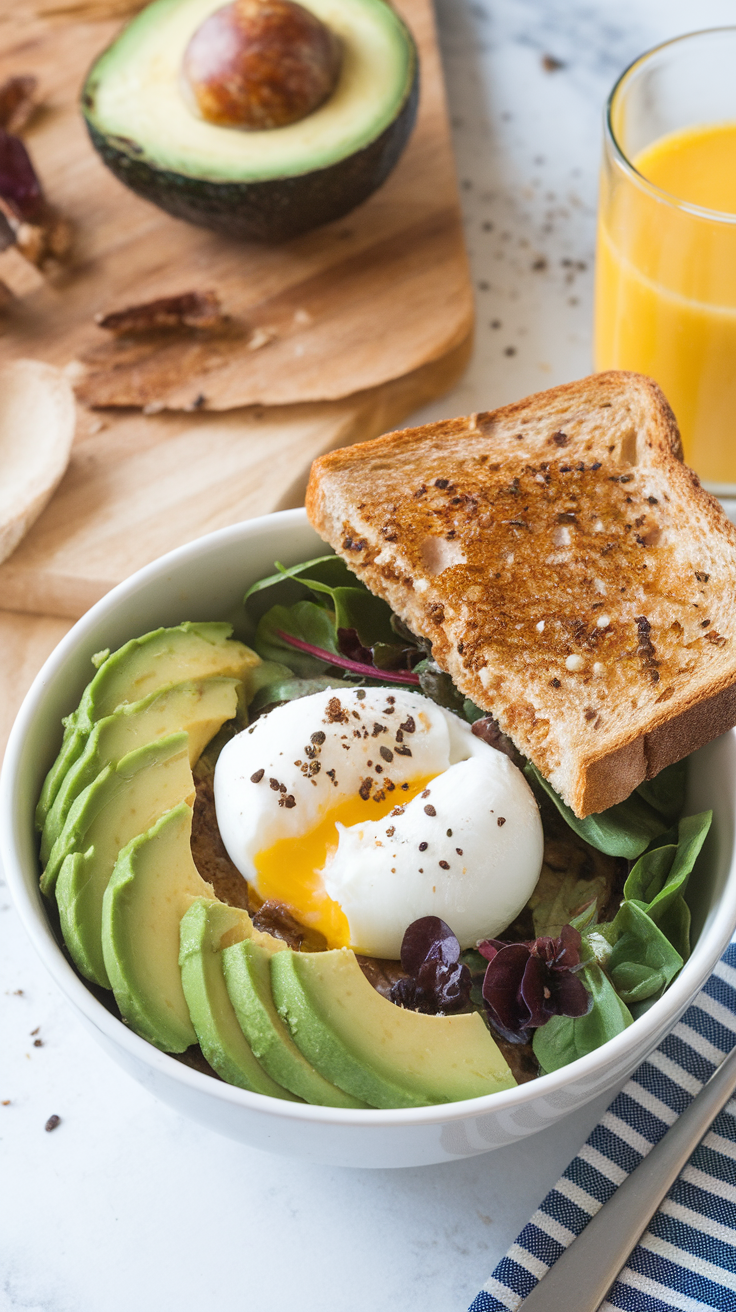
column 124, row 801
column 248, row 979
column 152, row 886
column 263, row 185
column 140, row 667
column 379, row 1052
column 202, row 931
column 199, row 708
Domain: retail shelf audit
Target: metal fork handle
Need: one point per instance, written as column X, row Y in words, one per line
column 583, row 1274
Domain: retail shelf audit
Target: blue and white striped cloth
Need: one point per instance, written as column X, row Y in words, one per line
column 687, row 1258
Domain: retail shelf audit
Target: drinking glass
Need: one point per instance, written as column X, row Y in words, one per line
column 665, row 302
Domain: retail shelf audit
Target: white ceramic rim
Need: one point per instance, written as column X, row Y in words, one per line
column 708, row 950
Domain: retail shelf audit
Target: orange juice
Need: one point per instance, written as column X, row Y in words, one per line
column 666, row 285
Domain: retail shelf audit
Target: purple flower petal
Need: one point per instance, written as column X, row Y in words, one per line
column 490, row 946
column 426, row 938
column 571, row 996
column 535, row 993
column 526, row 984
column 568, row 954
column 501, row 985
column 437, row 981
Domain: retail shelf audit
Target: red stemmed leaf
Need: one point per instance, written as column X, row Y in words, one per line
column 344, row 663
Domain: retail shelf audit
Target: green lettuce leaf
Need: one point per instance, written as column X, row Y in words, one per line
column 307, row 621
column 642, row 961
column 628, row 828
column 659, row 879
column 666, row 791
column 565, row 1038
column 326, row 572
column 335, row 588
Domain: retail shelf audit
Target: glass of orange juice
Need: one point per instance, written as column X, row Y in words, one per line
column 666, row 254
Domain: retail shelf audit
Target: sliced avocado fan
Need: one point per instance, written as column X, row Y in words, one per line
column 152, row 886
column 140, row 667
column 248, row 979
column 197, row 707
column 384, row 1054
column 124, row 801
column 203, row 930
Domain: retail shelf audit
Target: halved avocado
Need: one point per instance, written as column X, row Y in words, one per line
column 264, row 185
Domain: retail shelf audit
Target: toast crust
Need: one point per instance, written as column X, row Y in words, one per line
column 571, row 573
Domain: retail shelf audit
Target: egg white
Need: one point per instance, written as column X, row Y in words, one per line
column 278, row 780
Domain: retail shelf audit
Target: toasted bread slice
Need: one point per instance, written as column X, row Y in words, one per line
column 571, row 573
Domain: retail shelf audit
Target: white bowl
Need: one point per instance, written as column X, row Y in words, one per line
column 205, row 580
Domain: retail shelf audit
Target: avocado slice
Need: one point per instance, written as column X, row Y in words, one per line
column 122, row 802
column 248, row 978
column 152, row 886
column 269, row 184
column 203, row 930
column 379, row 1052
column 198, row 707
column 140, row 667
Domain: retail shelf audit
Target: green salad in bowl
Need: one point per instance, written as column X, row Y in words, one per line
column 311, row 866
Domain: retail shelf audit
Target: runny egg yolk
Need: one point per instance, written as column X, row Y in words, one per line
column 291, row 870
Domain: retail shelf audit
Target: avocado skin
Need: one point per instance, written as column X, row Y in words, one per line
column 274, row 209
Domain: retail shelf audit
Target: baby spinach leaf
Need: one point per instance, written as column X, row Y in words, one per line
column 674, row 923
column 565, row 1038
column 649, row 875
column 390, row 656
column 472, row 712
column 659, row 878
column 266, row 672
column 370, row 616
column 625, row 830
column 306, row 621
column 642, row 961
column 666, row 791
column 438, row 686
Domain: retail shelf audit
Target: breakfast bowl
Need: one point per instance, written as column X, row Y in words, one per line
column 205, row 580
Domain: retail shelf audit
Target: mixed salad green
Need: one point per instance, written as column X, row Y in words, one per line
column 581, row 980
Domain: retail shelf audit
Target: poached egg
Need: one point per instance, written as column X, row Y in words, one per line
column 364, row 809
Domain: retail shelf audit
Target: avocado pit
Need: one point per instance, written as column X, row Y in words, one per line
column 258, row 64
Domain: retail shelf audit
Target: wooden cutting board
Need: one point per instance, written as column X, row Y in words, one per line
column 140, row 487
column 366, row 320
column 372, row 317
column 346, row 308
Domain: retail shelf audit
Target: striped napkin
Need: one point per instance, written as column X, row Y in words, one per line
column 687, row 1258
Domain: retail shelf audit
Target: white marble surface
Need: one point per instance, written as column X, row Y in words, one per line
column 127, row 1207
